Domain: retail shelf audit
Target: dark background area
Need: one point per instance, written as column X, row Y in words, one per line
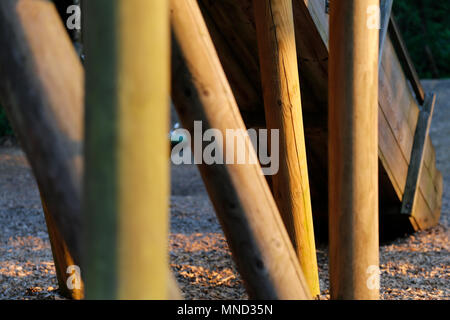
column 425, row 26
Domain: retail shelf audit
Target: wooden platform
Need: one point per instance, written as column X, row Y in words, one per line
column 231, row 25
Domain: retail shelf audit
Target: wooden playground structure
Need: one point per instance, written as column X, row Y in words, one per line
column 356, row 160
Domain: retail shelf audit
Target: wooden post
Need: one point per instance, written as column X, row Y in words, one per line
column 240, row 194
column 282, row 102
column 353, row 151
column 42, row 91
column 63, row 260
column 127, row 170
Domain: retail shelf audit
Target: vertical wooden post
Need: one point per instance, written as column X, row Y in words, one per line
column 239, row 192
column 127, row 170
column 282, row 102
column 353, row 147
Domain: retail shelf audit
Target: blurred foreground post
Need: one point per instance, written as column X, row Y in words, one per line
column 353, row 150
column 283, row 108
column 41, row 88
column 127, row 171
column 239, row 192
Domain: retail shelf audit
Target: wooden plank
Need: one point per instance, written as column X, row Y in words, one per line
column 392, row 157
column 127, row 178
column 353, row 152
column 405, row 59
column 423, row 217
column 282, row 101
column 417, row 155
column 397, row 86
column 233, row 19
column 389, row 101
column 396, row 167
column 312, row 60
column 403, row 116
column 245, row 89
column 239, row 192
column 311, row 24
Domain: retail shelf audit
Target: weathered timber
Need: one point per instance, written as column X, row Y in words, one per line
column 282, row 101
column 240, row 195
column 406, row 61
column 234, row 22
column 353, row 152
column 416, row 162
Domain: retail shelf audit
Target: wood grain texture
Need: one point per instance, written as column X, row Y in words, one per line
column 396, row 98
column 353, row 151
column 282, row 101
column 417, row 155
column 62, row 259
column 240, row 195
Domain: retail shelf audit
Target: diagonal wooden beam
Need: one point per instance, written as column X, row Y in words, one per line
column 239, row 192
column 417, row 155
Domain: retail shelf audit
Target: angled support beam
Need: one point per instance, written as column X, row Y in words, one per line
column 239, row 192
column 417, row 154
column 281, row 89
column 353, row 152
column 405, row 60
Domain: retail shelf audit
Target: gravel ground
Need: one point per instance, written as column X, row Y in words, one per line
column 413, row 267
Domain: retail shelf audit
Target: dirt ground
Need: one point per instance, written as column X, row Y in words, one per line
column 413, row 267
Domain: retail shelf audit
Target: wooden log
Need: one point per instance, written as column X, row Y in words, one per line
column 50, row 72
column 282, row 101
column 127, row 173
column 241, row 197
column 42, row 91
column 63, row 260
column 353, row 152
